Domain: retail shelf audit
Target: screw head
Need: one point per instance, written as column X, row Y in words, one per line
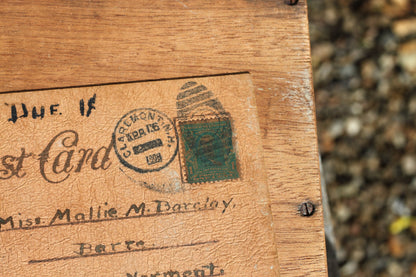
column 291, row 2
column 306, row 208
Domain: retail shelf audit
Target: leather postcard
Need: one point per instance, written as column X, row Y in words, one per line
column 158, row 178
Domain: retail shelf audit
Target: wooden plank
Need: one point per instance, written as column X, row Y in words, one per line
column 46, row 44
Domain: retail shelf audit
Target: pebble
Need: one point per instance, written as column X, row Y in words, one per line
column 407, row 55
column 358, row 255
column 399, row 208
column 373, row 163
column 349, row 268
column 395, row 105
column 387, row 63
column 397, row 8
column 348, row 71
column 356, row 108
column 324, row 72
column 353, row 126
column 395, row 270
column 396, row 247
column 331, row 16
column 336, row 129
column 404, row 27
column 369, row 72
column 401, row 3
column 322, row 52
column 413, row 226
column 411, row 105
column 343, row 213
column 377, row 4
column 399, row 140
column 408, row 164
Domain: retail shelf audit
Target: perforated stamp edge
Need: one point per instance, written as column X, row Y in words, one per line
column 203, row 118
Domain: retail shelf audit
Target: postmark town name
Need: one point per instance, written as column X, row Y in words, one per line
column 60, row 158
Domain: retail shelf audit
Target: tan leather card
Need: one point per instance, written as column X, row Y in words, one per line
column 160, row 178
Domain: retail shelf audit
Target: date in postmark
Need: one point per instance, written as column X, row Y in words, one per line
column 206, row 151
column 145, row 140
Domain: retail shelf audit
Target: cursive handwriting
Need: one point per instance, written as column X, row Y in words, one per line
column 206, row 270
column 65, row 216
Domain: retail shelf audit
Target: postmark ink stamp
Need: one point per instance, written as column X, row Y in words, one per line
column 145, row 140
column 197, row 99
column 206, row 151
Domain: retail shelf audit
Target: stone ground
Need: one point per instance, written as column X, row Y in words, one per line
column 364, row 62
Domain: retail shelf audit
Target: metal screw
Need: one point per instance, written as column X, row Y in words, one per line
column 306, row 208
column 291, row 2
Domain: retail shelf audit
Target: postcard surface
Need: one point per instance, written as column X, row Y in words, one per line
column 161, row 178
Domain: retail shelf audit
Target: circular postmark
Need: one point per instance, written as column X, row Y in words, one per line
column 145, row 140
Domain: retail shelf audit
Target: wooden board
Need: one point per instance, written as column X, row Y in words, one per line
column 46, row 44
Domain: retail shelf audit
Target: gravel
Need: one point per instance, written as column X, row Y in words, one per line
column 364, row 64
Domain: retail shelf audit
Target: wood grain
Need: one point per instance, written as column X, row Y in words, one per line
column 46, row 44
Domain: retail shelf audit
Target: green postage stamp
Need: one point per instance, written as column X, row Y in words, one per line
column 207, row 153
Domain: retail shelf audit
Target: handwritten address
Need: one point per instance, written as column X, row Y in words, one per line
column 105, row 212
column 205, row 270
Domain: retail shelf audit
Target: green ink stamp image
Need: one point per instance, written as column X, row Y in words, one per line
column 207, row 153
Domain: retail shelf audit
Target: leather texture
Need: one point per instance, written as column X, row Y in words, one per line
column 92, row 181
